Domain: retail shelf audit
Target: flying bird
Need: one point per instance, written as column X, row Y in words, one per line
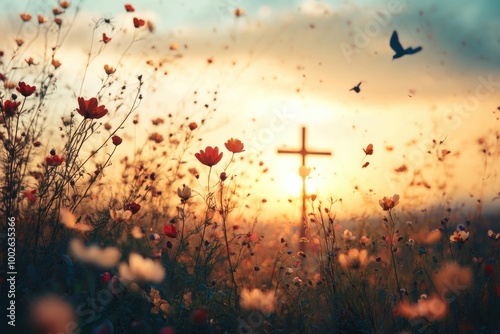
column 398, row 48
column 356, row 88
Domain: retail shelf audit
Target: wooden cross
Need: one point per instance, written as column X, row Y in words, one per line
column 304, row 152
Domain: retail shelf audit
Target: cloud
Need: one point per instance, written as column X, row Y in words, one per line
column 293, row 57
column 315, row 8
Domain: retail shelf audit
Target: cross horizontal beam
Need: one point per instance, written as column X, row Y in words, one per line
column 303, row 151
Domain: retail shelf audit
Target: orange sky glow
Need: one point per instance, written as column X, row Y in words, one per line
column 432, row 117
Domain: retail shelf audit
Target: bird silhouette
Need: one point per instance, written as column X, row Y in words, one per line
column 356, row 88
column 398, row 48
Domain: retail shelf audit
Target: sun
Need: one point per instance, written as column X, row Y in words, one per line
column 292, row 184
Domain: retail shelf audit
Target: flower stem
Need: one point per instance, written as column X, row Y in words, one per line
column 393, row 225
column 224, row 226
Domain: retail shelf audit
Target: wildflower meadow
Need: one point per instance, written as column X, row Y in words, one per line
column 134, row 200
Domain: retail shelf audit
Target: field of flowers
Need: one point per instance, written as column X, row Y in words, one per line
column 150, row 239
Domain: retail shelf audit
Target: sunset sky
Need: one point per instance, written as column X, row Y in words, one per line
column 287, row 64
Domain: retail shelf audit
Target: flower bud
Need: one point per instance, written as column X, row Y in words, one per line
column 117, row 140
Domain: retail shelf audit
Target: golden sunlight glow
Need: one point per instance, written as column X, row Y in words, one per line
column 292, row 184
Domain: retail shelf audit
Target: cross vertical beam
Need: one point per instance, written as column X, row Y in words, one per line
column 304, row 152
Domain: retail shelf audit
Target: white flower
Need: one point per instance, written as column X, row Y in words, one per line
column 257, row 300
column 348, row 236
column 459, row 236
column 141, row 269
column 184, row 193
column 297, row 281
column 120, row 215
column 70, row 221
column 354, row 259
column 137, row 232
column 432, row 309
column 493, row 235
column 105, row 258
column 452, row 279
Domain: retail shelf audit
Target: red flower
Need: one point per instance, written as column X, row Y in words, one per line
column 30, row 61
column 193, row 126
column 369, row 149
column 129, row 8
column 234, row 146
column 56, row 63
column 25, row 90
column 489, row 269
column 30, row 194
column 238, row 12
column 89, row 108
column 200, row 315
column 210, row 157
column 10, row 107
column 105, row 38
column 109, row 70
column 156, row 137
column 25, row 17
column 64, row 4
column 170, row 231
column 388, row 203
column 167, row 330
column 117, row 140
column 105, row 277
column 54, row 160
column 134, row 207
column 138, row 22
